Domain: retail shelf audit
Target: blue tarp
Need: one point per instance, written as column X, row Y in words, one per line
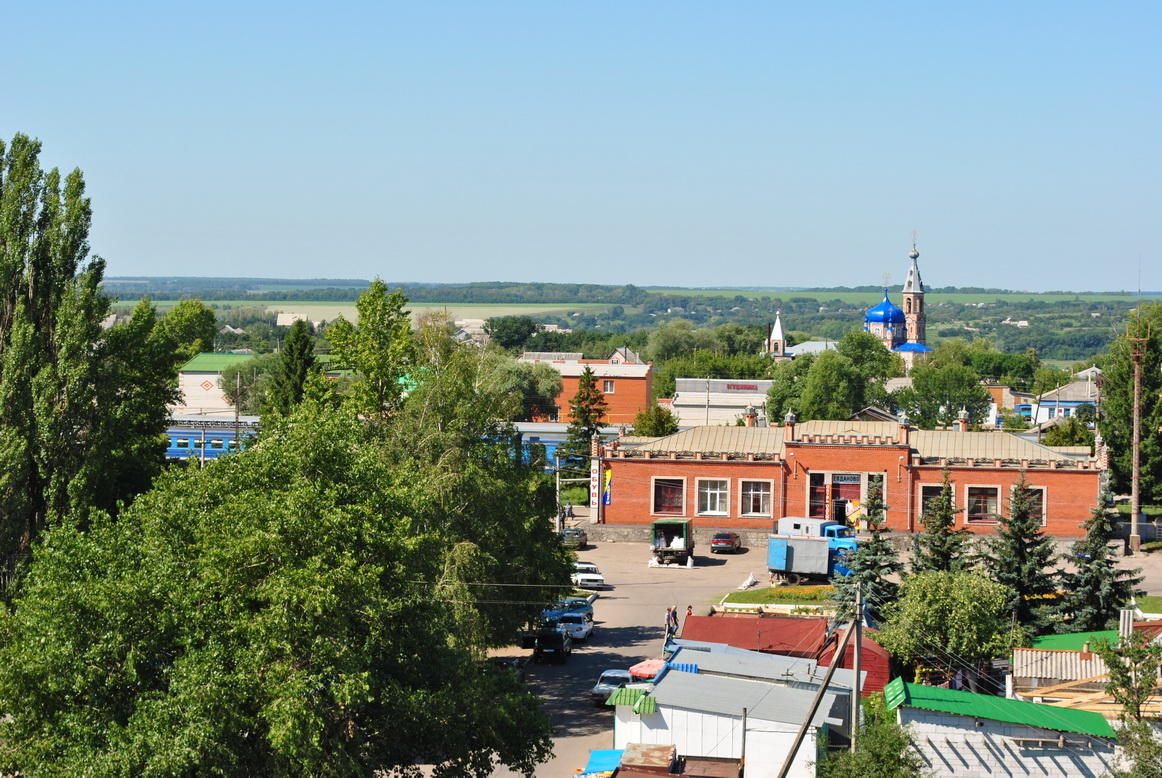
column 685, row 667
column 603, row 760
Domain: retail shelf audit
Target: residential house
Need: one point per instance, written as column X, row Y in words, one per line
column 626, row 386
column 709, row 401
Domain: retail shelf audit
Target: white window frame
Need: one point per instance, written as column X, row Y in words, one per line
column 724, row 500
column 967, row 505
column 607, row 385
column 653, row 492
column 770, row 484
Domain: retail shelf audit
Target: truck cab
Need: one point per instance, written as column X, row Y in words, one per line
column 839, row 536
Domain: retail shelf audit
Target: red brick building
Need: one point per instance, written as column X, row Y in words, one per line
column 626, row 383
column 745, row 477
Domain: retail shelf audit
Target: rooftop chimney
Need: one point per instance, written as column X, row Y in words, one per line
column 962, row 420
column 789, row 426
column 903, row 434
column 750, row 416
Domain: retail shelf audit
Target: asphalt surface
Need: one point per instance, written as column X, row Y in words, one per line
column 629, row 626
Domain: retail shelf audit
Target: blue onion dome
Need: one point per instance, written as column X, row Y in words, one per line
column 884, row 313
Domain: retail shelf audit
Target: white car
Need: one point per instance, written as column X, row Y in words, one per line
column 588, row 580
column 585, row 567
column 578, row 627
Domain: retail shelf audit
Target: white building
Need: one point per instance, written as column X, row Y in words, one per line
column 199, row 382
column 712, row 401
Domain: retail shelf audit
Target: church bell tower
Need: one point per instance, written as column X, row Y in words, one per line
column 913, row 301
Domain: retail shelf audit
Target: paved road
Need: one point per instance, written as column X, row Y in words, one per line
column 629, row 627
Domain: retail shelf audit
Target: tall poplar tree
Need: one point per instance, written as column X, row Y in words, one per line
column 1019, row 557
column 82, row 408
column 296, row 361
column 940, row 546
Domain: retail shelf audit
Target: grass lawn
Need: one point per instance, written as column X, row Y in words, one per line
column 1149, row 510
column 783, row 595
column 1150, row 603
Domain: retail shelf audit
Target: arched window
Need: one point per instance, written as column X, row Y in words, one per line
column 907, row 305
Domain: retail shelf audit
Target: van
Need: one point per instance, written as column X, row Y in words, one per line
column 552, row 646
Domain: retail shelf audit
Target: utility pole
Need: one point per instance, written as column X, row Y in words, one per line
column 856, row 690
column 1137, row 351
column 237, row 402
column 557, row 473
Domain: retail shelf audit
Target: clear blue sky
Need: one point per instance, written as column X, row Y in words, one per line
column 686, row 143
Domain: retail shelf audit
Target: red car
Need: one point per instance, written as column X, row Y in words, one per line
column 726, row 541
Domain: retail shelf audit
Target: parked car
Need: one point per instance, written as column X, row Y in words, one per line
column 609, row 682
column 553, row 645
column 578, row 627
column 588, row 581
column 582, row 605
column 726, row 541
column 574, row 537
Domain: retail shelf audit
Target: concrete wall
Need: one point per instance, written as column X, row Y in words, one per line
column 955, row 746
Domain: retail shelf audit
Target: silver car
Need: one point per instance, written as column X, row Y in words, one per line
column 609, row 682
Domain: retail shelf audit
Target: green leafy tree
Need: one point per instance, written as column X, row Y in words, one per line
column 296, row 361
column 380, row 349
column 1019, row 557
column 883, row 750
column 587, row 410
column 191, row 326
column 873, row 565
column 940, row 615
column 788, row 381
column 315, row 605
column 82, row 409
column 245, row 384
column 1141, row 751
column 708, row 364
column 1011, row 421
column 1116, row 422
column 938, row 393
column 1133, row 664
column 833, row 389
column 1097, row 588
column 1047, row 378
column 940, row 545
column 655, row 421
column 510, row 332
column 739, row 339
column 676, row 338
column 1068, row 432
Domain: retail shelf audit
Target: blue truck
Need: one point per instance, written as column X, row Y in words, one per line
column 803, row 548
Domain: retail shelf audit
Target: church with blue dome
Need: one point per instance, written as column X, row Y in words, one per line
column 901, row 329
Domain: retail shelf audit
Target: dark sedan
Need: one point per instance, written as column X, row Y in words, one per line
column 725, row 541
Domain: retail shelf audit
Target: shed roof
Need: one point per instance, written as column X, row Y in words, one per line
column 1061, row 665
column 770, row 634
column 757, row 665
column 214, row 362
column 762, row 700
column 984, row 706
column 1074, row 641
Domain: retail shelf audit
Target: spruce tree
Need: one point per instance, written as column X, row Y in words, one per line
column 1097, row 589
column 1019, row 557
column 940, row 546
column 587, row 410
column 296, row 362
column 872, row 565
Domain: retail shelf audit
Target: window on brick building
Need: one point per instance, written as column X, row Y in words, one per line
column 607, row 387
column 928, row 497
column 669, row 497
column 983, row 505
column 1038, row 495
column 817, row 497
column 713, row 497
column 756, row 498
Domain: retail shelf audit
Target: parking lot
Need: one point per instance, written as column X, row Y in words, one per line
column 630, row 625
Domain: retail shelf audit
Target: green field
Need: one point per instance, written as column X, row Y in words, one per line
column 933, row 297
column 328, row 311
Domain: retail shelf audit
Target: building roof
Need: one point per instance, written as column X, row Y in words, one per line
column 771, row 634
column 552, row 356
column 913, row 283
column 777, row 329
column 1074, row 641
column 625, row 354
column 1061, row 665
column 759, row 666
column 599, row 369
column 1073, row 392
column 728, row 697
column 953, row 444
column 884, row 313
column 214, row 362
column 734, row 440
column 916, row 348
column 812, row 347
column 746, row 386
column 984, row 706
column 896, row 384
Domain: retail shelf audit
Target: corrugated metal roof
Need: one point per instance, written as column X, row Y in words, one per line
column 728, row 440
column 983, row 706
column 1074, row 641
column 1056, row 664
column 871, row 429
column 952, row 444
column 768, row 667
column 626, row 695
column 728, row 696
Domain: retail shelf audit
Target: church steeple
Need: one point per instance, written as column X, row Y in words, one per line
column 776, row 341
column 914, row 315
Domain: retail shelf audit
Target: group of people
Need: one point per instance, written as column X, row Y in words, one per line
column 672, row 619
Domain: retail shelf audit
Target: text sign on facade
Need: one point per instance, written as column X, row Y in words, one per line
column 846, row 478
column 594, row 483
column 742, row 387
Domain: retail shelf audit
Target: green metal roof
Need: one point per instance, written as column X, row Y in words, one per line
column 639, row 699
column 1075, row 641
column 984, row 706
column 214, row 362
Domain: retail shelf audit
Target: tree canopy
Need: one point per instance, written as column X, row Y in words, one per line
column 940, row 545
column 1096, row 589
column 1020, row 555
column 191, row 326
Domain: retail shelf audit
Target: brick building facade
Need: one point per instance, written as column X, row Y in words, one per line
column 626, row 383
column 746, row 477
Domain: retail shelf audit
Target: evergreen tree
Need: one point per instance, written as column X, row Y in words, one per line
column 655, row 421
column 872, row 565
column 296, row 362
column 1019, row 557
column 1097, row 589
column 587, row 410
column 82, row 409
column 941, row 547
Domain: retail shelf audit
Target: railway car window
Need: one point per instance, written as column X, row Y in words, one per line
column 197, row 444
column 216, row 444
column 232, row 445
column 182, row 442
